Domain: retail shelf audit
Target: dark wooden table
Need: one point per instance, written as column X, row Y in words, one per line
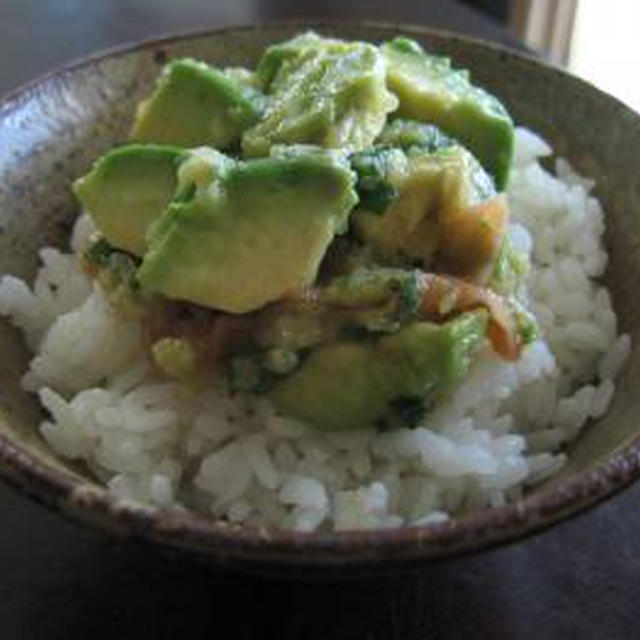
column 581, row 580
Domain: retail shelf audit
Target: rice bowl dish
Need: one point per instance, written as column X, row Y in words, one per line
column 234, row 456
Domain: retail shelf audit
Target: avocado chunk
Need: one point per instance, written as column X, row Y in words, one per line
column 127, row 189
column 277, row 54
column 510, row 270
column 256, row 233
column 430, row 90
column 195, row 104
column 508, row 279
column 389, row 381
column 376, row 299
column 321, row 91
column 406, row 134
column 433, row 191
column 246, row 78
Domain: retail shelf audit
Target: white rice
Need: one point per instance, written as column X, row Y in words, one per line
column 502, row 430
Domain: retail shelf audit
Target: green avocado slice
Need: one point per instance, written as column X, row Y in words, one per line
column 255, row 234
column 409, row 134
column 195, row 104
column 428, row 189
column 276, row 55
column 127, row 189
column 430, row 90
column 356, row 384
column 320, row 91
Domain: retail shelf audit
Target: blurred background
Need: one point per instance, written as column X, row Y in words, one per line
column 594, row 38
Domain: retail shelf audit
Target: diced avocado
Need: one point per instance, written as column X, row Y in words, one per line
column 509, row 270
column 406, row 134
column 257, row 233
column 324, row 92
column 375, row 300
column 195, row 104
column 335, row 388
column 127, row 189
column 431, row 187
column 199, row 169
column 508, row 279
column 351, row 385
column 244, row 76
column 277, row 54
column 429, row 90
column 378, row 300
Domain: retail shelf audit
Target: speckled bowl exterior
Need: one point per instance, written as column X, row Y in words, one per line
column 52, row 130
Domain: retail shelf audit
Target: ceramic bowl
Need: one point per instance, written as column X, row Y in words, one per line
column 52, row 129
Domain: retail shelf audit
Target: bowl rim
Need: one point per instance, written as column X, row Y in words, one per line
column 251, row 547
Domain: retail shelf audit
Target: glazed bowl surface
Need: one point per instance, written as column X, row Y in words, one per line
column 51, row 131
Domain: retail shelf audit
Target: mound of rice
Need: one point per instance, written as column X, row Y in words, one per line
column 503, row 429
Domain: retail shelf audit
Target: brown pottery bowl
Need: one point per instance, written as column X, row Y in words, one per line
column 51, row 131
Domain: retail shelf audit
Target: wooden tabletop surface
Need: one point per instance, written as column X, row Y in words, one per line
column 579, row 580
